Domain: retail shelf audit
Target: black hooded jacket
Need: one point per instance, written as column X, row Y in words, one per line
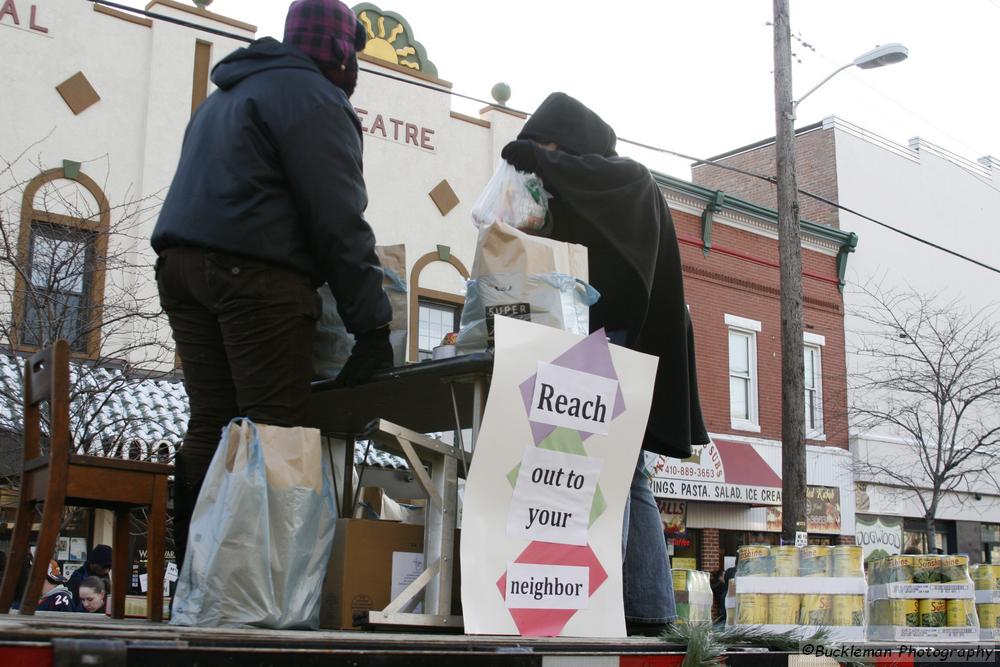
column 612, row 205
column 271, row 169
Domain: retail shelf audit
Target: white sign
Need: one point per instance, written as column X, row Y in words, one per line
column 801, row 539
column 171, row 574
column 143, row 582
column 498, row 596
column 574, row 399
column 406, row 566
column 552, row 497
column 878, row 533
column 531, row 586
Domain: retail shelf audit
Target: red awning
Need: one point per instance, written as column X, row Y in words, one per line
column 743, row 465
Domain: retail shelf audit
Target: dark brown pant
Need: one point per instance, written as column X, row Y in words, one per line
column 244, row 332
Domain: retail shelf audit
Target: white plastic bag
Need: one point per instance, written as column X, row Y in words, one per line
column 261, row 532
column 512, row 197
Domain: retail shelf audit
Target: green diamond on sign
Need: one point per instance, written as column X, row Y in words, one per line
column 567, row 441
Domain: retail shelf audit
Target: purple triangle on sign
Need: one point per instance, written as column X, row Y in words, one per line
column 590, row 355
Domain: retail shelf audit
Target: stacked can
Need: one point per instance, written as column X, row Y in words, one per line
column 926, row 569
column 847, row 561
column 814, row 561
column 933, row 613
column 954, row 569
column 986, row 577
column 815, row 610
column 752, row 561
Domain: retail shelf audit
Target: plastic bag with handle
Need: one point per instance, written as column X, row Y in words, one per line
column 512, row 197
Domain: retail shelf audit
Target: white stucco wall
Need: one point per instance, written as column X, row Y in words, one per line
column 945, row 199
column 129, row 142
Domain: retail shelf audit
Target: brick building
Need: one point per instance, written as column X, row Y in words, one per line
column 930, row 193
column 729, row 493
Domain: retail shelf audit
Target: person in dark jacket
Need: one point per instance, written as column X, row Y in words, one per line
column 612, row 205
column 266, row 205
column 55, row 595
column 98, row 564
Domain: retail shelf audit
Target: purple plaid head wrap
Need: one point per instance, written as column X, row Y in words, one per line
column 328, row 32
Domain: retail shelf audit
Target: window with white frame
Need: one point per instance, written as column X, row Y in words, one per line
column 743, row 411
column 435, row 320
column 813, row 382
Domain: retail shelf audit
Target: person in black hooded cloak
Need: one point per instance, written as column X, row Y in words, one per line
column 612, row 205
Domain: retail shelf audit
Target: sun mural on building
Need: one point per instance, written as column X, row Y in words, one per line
column 390, row 38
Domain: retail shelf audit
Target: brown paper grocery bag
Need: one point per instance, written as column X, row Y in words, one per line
column 503, row 249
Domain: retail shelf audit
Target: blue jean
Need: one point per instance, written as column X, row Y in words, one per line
column 646, row 581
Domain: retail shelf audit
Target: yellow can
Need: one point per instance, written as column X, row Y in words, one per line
column 904, row 613
column 961, row 613
column 753, row 560
column 954, row 569
column 814, row 561
column 848, row 610
column 751, row 609
column 785, row 561
column 984, row 576
column 878, row 612
column 933, row 613
column 815, row 610
column 926, row 569
column 847, row 561
column 783, row 609
column 897, row 569
column 989, row 616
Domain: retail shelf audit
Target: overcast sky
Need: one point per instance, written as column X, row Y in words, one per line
column 696, row 76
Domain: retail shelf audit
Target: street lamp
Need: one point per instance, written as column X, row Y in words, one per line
column 880, row 56
column 793, row 452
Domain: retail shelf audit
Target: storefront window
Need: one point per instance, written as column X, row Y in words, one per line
column 991, row 543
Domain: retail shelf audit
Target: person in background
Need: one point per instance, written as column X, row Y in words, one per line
column 98, row 564
column 718, row 585
column 266, row 205
column 55, row 595
column 93, row 595
column 612, row 205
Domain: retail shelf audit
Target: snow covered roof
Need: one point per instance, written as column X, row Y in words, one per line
column 123, row 417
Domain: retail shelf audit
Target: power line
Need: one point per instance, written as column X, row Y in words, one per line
column 420, row 84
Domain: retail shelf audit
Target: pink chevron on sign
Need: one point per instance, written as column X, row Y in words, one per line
column 591, row 355
column 550, row 622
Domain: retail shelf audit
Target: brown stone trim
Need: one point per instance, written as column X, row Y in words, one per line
column 204, row 13
column 101, row 226
column 416, row 292
column 417, row 74
column 470, row 119
column 124, row 16
column 511, row 112
column 758, row 288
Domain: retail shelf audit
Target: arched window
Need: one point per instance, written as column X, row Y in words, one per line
column 62, row 248
column 435, row 312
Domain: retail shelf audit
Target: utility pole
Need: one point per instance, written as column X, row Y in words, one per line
column 793, row 451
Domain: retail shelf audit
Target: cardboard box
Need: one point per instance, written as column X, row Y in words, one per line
column 359, row 575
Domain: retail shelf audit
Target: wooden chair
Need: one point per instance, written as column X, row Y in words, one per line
column 61, row 478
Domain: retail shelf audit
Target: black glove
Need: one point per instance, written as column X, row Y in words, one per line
column 521, row 154
column 372, row 352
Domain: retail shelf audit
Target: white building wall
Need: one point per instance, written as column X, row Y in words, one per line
column 129, row 141
column 943, row 198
